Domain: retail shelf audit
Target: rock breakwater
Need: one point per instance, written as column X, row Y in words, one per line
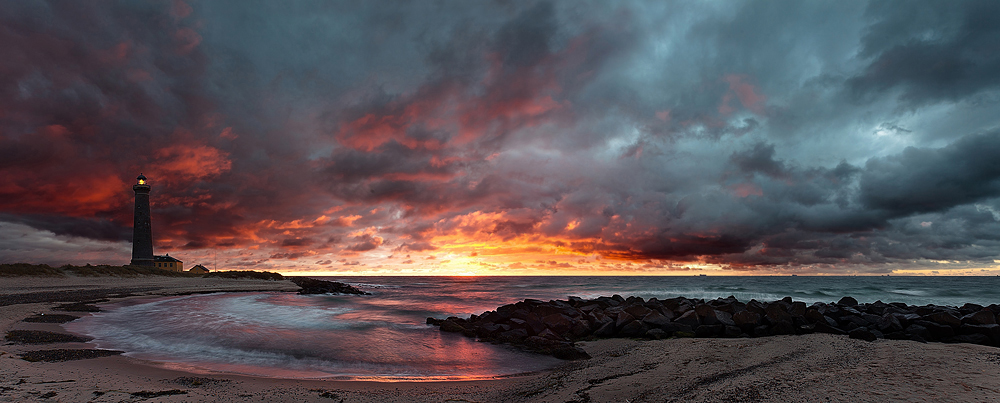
column 553, row 327
column 314, row 286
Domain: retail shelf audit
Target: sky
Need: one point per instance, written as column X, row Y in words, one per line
column 506, row 137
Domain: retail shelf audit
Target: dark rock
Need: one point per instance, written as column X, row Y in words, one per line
column 848, row 301
column 632, row 329
column 450, row 326
column 944, row 318
column 638, row 311
column 580, row 328
column 66, row 355
column 780, row 328
column 798, row 309
column 970, row 308
column 559, row 323
column 877, row 308
column 51, row 318
column 706, row 314
column 709, row 330
column 147, row 394
column 656, row 334
column 487, row 330
column 606, row 330
column 570, row 352
column 937, row 330
column 534, row 325
column 724, row 318
column 689, row 318
column 992, row 331
column 776, row 314
column 314, row 286
column 862, row 333
column 980, row 317
column 548, row 334
column 856, row 320
column 731, row 331
column 623, row 319
column 513, row 336
column 756, row 307
column 889, row 323
column 655, row 320
column 746, row 319
column 918, row 330
column 42, row 337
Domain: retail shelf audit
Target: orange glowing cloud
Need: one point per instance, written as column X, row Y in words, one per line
column 183, row 163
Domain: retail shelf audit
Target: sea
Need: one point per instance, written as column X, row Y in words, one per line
column 384, row 336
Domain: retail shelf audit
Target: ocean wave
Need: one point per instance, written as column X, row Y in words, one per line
column 915, row 293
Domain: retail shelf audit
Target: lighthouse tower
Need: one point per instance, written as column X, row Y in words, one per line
column 142, row 232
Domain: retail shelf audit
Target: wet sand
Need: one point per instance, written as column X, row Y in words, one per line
column 811, row 368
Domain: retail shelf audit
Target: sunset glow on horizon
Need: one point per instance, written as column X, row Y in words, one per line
column 505, row 138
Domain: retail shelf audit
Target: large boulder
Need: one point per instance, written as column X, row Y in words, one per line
column 623, row 319
column 797, row 309
column 689, row 318
column 450, row 326
column 944, row 318
column 558, row 323
column 889, row 323
column 848, row 301
column 937, row 330
column 655, row 320
column 606, row 330
column 775, row 314
column 638, row 311
column 746, row 319
column 633, row 329
column 656, row 334
column 981, row 317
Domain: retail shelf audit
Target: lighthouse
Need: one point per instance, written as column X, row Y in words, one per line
column 142, row 232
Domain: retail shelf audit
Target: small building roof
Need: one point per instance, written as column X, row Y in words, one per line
column 165, row 258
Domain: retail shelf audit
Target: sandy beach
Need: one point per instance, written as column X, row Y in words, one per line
column 809, row 368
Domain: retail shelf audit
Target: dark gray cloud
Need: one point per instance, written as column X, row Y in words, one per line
column 933, row 53
column 921, row 180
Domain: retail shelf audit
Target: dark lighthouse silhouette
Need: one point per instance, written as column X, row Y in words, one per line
column 142, row 231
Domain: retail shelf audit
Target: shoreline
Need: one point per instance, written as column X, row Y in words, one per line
column 776, row 368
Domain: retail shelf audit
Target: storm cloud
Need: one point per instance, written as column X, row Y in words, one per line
column 506, row 137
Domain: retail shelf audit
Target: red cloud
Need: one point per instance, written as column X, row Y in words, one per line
column 749, row 96
column 184, row 163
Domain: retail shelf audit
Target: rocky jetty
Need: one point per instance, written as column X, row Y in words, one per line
column 552, row 327
column 313, row 286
